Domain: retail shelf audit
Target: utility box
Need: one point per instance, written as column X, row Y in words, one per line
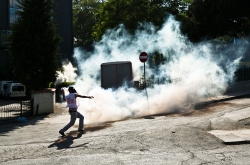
column 115, row 74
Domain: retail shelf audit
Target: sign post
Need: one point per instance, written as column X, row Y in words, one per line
column 143, row 58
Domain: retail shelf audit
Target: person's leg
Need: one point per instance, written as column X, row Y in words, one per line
column 81, row 121
column 73, row 116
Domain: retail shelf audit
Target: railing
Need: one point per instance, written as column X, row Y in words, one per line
column 242, row 74
column 12, row 109
column 152, row 81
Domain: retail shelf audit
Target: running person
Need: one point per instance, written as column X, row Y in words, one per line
column 71, row 103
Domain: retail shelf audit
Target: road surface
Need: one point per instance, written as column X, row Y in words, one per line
column 164, row 139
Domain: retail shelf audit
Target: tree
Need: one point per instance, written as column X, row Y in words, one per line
column 217, row 18
column 91, row 18
column 130, row 13
column 83, row 21
column 159, row 58
column 34, row 46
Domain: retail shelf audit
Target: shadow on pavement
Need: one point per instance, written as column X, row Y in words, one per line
column 97, row 126
column 237, row 143
column 9, row 125
column 68, row 140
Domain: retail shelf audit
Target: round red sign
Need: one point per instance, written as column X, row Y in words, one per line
column 143, row 57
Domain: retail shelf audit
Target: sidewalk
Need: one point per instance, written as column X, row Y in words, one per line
column 237, row 90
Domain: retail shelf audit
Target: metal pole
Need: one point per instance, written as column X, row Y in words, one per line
column 144, row 76
column 244, row 73
column 21, row 108
column 37, row 107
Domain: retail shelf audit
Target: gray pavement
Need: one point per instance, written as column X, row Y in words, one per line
column 236, row 90
column 201, row 137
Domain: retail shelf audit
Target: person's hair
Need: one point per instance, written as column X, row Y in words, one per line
column 71, row 90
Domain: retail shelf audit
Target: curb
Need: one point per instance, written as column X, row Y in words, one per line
column 200, row 104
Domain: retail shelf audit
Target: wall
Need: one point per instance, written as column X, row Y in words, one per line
column 44, row 101
column 4, row 14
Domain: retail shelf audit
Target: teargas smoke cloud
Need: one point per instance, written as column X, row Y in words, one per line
column 68, row 75
column 198, row 72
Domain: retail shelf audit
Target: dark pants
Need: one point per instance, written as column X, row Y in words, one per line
column 73, row 116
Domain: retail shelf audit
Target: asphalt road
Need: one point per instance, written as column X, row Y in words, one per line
column 183, row 139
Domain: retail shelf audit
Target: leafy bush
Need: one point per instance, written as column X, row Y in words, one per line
column 65, row 84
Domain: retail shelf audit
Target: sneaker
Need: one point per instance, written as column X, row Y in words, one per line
column 81, row 131
column 62, row 133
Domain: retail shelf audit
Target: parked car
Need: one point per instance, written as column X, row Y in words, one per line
column 14, row 89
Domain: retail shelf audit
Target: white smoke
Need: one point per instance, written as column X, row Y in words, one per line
column 68, row 74
column 200, row 71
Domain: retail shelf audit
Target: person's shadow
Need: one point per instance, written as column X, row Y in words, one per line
column 67, row 141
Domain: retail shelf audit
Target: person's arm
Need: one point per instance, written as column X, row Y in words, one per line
column 63, row 93
column 81, row 96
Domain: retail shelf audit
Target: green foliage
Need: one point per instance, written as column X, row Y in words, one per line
column 216, row 18
column 34, row 44
column 65, row 84
column 92, row 18
column 51, row 85
column 200, row 19
column 159, row 58
column 130, row 13
column 83, row 21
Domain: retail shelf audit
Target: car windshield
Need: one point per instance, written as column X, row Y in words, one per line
column 18, row 88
